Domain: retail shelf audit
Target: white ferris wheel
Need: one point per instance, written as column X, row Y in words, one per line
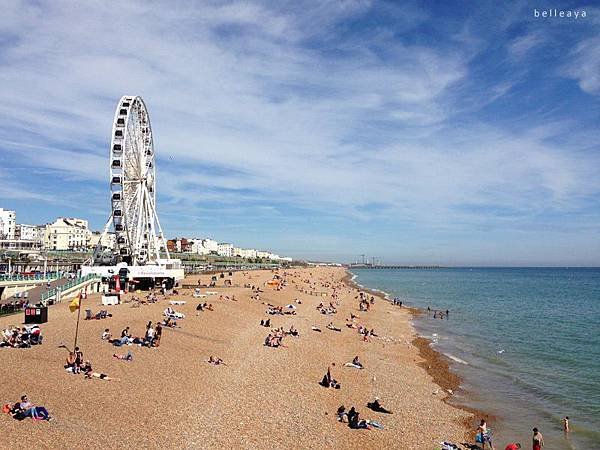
column 138, row 235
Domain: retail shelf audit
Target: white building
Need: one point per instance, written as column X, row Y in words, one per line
column 7, row 224
column 236, row 251
column 263, row 254
column 109, row 240
column 67, row 233
column 224, row 249
column 198, row 248
column 211, row 245
column 248, row 253
column 24, row 232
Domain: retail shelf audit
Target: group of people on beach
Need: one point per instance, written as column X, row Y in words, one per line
column 23, row 409
column 483, row 436
column 21, row 337
column 151, row 338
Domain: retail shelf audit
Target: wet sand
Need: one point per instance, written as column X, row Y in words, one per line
column 263, row 398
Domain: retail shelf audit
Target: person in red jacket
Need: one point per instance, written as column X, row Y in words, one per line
column 514, row 446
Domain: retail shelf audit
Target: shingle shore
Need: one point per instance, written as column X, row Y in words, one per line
column 170, row 397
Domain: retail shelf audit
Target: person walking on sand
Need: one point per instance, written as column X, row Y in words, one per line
column 566, row 424
column 538, row 440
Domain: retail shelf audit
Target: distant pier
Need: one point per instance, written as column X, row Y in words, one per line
column 385, row 266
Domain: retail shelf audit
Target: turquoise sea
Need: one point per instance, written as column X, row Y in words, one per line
column 525, row 340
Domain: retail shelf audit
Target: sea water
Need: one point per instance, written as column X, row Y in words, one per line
column 525, row 340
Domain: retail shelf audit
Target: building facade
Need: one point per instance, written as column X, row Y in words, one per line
column 224, row 249
column 24, row 232
column 67, row 233
column 7, row 224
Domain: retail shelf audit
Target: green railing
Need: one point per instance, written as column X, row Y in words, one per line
column 36, row 277
column 77, row 281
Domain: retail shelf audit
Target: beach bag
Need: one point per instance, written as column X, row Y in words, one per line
column 6, row 409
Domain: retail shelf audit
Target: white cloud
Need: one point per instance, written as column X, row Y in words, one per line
column 584, row 65
column 521, row 46
column 250, row 111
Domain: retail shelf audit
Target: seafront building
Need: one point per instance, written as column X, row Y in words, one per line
column 68, row 233
column 207, row 246
column 225, row 249
column 25, row 232
column 73, row 234
column 7, row 224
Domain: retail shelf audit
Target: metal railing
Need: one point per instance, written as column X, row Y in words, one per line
column 36, row 277
column 76, row 281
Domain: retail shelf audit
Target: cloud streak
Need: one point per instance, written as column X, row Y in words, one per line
column 338, row 111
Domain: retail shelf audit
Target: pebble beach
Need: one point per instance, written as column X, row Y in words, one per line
column 263, row 397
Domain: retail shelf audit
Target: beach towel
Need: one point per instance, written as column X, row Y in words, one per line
column 375, row 424
column 353, row 365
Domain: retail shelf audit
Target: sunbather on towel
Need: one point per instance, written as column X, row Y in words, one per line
column 91, row 374
column 355, row 363
column 332, row 327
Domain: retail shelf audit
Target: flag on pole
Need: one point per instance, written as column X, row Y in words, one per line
column 74, row 305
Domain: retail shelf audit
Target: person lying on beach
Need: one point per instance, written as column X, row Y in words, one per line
column 315, row 329
column 333, row 327
column 168, row 322
column 89, row 374
column 216, row 361
column 23, row 409
column 376, row 406
column 355, row 422
column 128, row 357
column 355, row 363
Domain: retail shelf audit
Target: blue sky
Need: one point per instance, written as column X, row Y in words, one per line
column 416, row 132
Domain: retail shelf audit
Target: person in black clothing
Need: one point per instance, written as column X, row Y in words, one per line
column 376, row 406
column 78, row 360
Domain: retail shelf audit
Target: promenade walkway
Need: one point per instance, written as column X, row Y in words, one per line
column 35, row 295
